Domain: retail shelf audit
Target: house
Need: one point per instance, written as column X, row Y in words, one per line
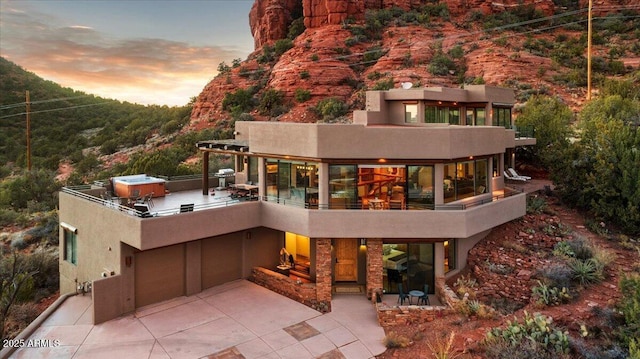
column 399, row 196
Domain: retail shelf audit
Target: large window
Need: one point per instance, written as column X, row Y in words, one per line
column 420, row 183
column 465, row 179
column 476, row 116
column 409, row 264
column 442, row 114
column 411, row 113
column 70, row 245
column 449, row 255
column 291, row 182
column 502, row 117
column 342, row 186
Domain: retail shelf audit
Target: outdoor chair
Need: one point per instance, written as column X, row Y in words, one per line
column 186, row 208
column 402, row 296
column 509, row 177
column 513, row 173
column 425, row 298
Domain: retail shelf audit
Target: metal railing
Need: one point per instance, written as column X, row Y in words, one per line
column 114, row 204
column 508, row 192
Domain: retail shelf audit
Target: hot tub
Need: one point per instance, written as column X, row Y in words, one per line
column 124, row 186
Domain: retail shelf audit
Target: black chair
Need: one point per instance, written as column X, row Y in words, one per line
column 143, row 210
column 425, row 298
column 402, row 296
column 393, row 276
column 186, row 208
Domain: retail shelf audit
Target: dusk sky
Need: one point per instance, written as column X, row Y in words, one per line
column 144, row 51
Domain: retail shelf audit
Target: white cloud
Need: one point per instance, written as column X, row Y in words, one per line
column 139, row 70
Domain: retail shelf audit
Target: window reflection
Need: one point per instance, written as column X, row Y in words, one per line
column 408, row 264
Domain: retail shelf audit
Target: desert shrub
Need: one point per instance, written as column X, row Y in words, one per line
column 296, row 28
column 270, row 102
column 629, row 306
column 498, row 268
column 545, row 295
column 302, row 95
column 331, row 108
column 587, row 271
column 516, row 246
column 581, row 248
column 465, row 286
column 556, row 230
column 281, row 46
column 535, row 337
column 239, row 101
column 395, row 340
column 8, row 216
column 557, row 275
column 536, row 205
column 46, row 230
column 505, row 305
column 372, row 55
column 304, row 74
column 470, row 308
column 443, row 349
column 383, row 85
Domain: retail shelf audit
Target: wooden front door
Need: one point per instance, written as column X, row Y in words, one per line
column 346, row 266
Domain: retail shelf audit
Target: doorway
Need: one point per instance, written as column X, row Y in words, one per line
column 346, row 262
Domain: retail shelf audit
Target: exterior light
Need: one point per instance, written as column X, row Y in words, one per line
column 363, row 241
column 382, row 160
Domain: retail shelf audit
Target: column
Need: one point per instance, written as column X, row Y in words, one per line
column 323, row 272
column 205, row 172
column 374, row 266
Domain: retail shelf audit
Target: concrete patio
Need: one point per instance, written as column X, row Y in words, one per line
column 236, row 320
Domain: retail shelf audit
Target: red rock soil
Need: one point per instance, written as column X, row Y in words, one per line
column 527, row 232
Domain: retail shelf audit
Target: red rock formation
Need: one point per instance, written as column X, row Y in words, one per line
column 331, row 68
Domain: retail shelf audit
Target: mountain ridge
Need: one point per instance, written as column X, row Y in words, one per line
column 523, row 48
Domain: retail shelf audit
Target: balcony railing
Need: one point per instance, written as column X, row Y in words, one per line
column 77, row 191
column 508, row 192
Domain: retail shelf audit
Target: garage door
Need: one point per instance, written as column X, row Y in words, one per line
column 159, row 274
column 221, row 260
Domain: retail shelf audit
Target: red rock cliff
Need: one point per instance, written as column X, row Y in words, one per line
column 270, row 19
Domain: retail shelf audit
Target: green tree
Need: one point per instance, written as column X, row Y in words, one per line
column 331, row 108
column 16, row 284
column 36, row 187
column 551, row 121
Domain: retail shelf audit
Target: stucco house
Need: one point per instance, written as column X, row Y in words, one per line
column 395, row 198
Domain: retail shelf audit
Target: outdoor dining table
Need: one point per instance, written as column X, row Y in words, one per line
column 415, row 293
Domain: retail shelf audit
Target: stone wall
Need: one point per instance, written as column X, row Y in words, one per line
column 304, row 293
column 445, row 294
column 374, row 267
column 390, row 316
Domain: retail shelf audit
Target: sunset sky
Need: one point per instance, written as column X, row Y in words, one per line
column 144, row 51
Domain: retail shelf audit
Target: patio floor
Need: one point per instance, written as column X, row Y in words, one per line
column 233, row 321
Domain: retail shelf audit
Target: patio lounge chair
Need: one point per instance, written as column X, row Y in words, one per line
column 513, row 173
column 509, row 177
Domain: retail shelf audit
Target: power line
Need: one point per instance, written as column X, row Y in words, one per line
column 55, row 109
column 42, row 101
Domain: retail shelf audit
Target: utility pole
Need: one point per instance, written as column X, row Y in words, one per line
column 28, row 132
column 589, row 31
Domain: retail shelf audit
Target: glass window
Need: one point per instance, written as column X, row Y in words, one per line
column 496, row 166
column 482, row 169
column 408, row 264
column 502, row 117
column 411, row 113
column 271, row 181
column 449, row 255
column 480, row 117
column 430, row 114
column 449, row 182
column 253, row 170
column 420, row 184
column 465, row 179
column 454, row 116
column 342, row 186
column 70, row 246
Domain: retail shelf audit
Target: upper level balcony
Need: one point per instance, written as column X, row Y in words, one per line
column 218, row 213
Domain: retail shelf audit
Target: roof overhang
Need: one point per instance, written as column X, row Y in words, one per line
column 224, row 146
